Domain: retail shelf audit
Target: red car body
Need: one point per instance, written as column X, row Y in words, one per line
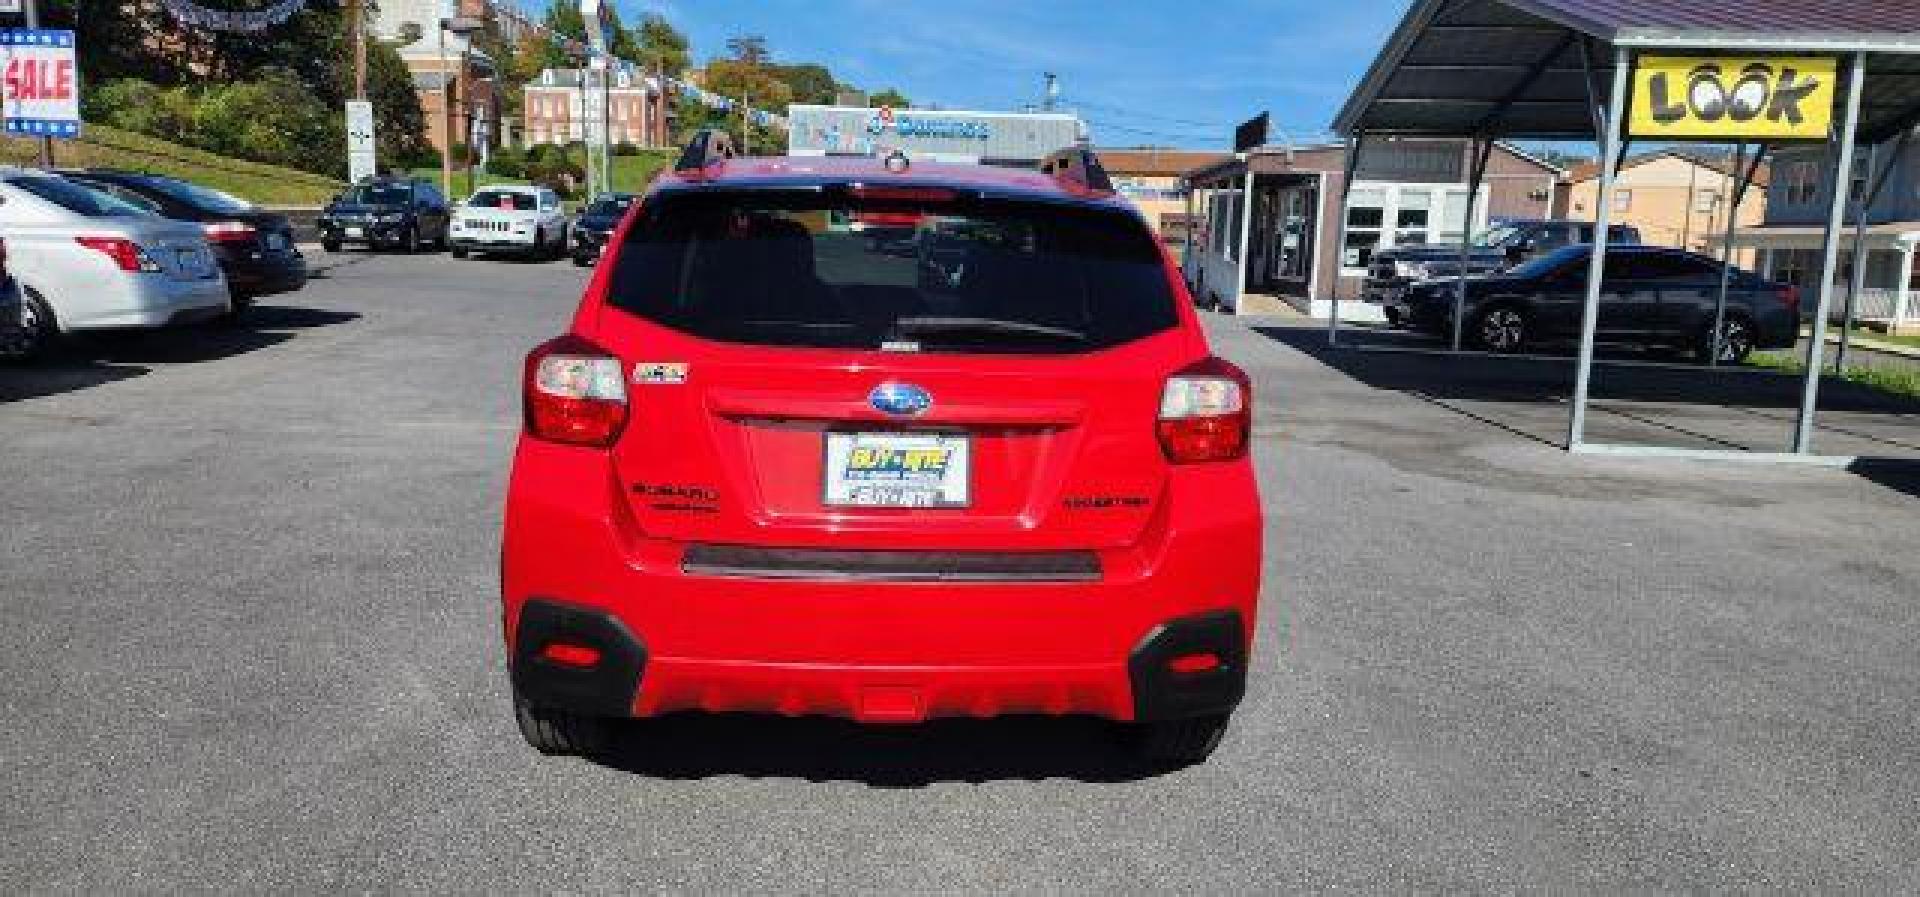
column 685, row 556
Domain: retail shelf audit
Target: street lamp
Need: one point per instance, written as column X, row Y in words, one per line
column 462, row 27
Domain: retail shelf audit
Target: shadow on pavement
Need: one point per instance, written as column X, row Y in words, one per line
column 93, row 359
column 818, row 749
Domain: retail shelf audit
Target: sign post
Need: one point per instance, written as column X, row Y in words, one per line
column 598, row 16
column 362, row 154
column 41, row 85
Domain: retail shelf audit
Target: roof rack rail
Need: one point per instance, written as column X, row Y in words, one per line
column 1078, row 165
column 708, row 146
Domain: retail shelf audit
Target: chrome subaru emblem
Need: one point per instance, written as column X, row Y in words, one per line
column 900, row 399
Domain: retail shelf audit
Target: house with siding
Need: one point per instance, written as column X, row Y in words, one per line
column 1789, row 240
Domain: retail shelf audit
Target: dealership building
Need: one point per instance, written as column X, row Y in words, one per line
column 1012, row 139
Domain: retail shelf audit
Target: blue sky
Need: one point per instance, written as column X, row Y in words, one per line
column 1159, row 72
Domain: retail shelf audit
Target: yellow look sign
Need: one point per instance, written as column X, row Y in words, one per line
column 1732, row 98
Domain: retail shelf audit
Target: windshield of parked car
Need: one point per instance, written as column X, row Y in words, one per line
column 504, row 199
column 1497, row 237
column 949, row 274
column 610, row 206
column 76, row 198
column 1547, row 264
column 200, row 197
column 378, row 195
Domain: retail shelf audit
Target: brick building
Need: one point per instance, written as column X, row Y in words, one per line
column 553, row 109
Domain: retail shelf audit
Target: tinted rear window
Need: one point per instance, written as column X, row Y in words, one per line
column 76, row 198
column 827, row 270
column 205, row 198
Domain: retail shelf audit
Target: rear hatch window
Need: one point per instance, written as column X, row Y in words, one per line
column 897, row 269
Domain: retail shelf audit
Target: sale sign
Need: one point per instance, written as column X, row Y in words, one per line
column 40, row 82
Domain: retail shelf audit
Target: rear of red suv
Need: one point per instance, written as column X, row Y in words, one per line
column 884, row 442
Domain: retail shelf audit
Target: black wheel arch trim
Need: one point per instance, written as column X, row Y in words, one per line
column 607, row 689
column 1160, row 694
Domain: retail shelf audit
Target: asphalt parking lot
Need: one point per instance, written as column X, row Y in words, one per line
column 252, row 644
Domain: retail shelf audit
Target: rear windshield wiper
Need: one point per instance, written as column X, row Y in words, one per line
column 930, row 325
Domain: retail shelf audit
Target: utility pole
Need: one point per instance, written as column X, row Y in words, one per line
column 356, row 16
column 746, row 125
column 46, row 143
column 446, row 107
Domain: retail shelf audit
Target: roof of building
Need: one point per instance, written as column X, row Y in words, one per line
column 1153, row 162
column 1719, row 163
column 1519, row 68
column 811, row 171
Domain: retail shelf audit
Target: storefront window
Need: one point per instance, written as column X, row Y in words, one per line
column 1413, row 219
column 1366, row 218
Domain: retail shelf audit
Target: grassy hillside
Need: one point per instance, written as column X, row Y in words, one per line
column 110, row 147
column 631, row 174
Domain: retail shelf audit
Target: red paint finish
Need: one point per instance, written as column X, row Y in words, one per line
column 1068, row 454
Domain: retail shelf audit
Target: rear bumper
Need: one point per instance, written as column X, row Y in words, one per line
column 147, row 300
column 267, row 275
column 892, row 651
column 628, row 681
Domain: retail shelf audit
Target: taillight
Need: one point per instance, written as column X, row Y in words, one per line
column 228, row 232
column 124, row 252
column 1791, row 296
column 575, row 393
column 1206, row 413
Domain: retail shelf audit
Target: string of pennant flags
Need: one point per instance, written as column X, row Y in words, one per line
column 245, row 21
column 713, row 100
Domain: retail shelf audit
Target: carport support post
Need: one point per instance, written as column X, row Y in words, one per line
column 1830, row 254
column 1241, row 263
column 1610, row 142
column 1861, row 254
column 1482, row 152
column 1354, row 145
column 1747, row 171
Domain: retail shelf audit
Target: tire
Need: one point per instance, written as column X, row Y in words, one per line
column 330, row 245
column 1502, row 329
column 458, row 251
column 410, row 241
column 557, row 733
column 1737, row 340
column 1180, row 742
column 581, row 261
column 39, row 330
column 237, row 309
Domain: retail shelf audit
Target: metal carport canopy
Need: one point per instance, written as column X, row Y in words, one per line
column 1513, row 68
column 1557, row 69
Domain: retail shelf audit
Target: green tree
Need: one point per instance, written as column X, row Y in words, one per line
column 398, row 120
column 810, row 82
column 562, row 19
column 661, row 45
column 890, row 97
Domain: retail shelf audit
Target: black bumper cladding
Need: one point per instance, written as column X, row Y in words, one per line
column 606, row 689
column 1161, row 693
column 891, row 566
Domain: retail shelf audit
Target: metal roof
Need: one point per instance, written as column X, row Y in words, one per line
column 1513, row 68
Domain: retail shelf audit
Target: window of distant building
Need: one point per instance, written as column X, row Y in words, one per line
column 1623, row 200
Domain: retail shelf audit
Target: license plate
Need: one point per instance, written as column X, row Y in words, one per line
column 897, row 470
column 356, row 232
column 189, row 260
column 276, row 242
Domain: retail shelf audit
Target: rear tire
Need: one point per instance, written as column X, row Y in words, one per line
column 458, row 252
column 1502, row 328
column 39, row 332
column 557, row 733
column 1180, row 742
column 1736, row 340
column 330, row 245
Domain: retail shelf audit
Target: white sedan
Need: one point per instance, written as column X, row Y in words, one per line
column 88, row 261
column 517, row 220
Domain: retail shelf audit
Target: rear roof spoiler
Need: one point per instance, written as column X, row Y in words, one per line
column 1077, row 165
column 708, row 147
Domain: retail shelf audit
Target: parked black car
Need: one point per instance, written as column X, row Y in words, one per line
column 1391, row 271
column 255, row 247
column 386, row 213
column 1650, row 296
column 594, row 223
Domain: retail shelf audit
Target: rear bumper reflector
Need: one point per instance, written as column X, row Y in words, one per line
column 891, row 566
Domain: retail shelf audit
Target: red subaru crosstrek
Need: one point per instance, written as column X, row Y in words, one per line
column 885, row 440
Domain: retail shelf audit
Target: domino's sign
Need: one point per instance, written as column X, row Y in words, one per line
column 41, row 82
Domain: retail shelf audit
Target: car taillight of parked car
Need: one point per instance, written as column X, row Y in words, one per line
column 228, row 232
column 574, row 393
column 124, row 252
column 1206, row 413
